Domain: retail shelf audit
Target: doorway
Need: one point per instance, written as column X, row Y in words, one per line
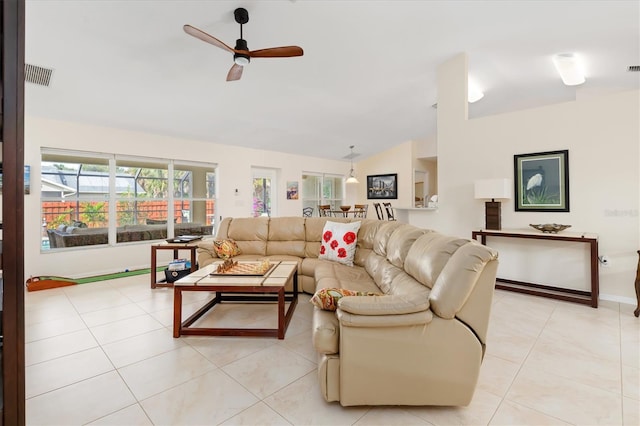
column 264, row 184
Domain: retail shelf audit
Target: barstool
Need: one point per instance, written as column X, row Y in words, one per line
column 379, row 211
column 360, row 210
column 324, row 210
column 389, row 209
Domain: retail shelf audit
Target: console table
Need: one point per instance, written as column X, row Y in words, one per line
column 567, row 294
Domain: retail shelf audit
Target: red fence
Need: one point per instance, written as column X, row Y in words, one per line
column 96, row 213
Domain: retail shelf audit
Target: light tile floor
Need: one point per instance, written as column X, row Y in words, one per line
column 103, row 354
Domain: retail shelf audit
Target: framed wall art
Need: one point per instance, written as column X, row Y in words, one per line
column 382, row 186
column 292, row 190
column 542, row 181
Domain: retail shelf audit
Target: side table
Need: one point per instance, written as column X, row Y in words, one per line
column 176, row 247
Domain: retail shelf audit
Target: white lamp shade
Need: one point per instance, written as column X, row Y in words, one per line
column 493, row 188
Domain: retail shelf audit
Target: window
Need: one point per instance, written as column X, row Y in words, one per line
column 264, row 184
column 81, row 192
column 75, row 195
column 194, row 192
column 318, row 189
column 141, row 191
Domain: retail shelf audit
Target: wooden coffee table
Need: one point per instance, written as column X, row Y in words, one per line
column 270, row 287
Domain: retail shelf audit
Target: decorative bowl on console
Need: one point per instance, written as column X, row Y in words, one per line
column 345, row 208
column 552, row 228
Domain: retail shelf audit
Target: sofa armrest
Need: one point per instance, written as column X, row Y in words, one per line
column 348, row 319
column 384, row 305
column 206, row 253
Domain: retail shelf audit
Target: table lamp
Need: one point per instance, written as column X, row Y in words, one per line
column 493, row 189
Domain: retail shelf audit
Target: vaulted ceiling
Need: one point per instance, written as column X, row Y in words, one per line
column 367, row 77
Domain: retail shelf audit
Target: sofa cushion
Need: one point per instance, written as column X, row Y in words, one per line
column 382, row 271
column 458, row 278
column 400, row 241
column 309, row 265
column 226, row 248
column 250, row 233
column 336, row 275
column 339, row 242
column 429, row 254
column 207, row 247
column 366, row 236
column 382, row 237
column 384, row 305
column 286, row 236
column 403, row 283
column 327, row 298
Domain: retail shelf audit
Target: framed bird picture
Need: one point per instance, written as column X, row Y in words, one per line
column 542, row 181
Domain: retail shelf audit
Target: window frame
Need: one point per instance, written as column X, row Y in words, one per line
column 115, row 163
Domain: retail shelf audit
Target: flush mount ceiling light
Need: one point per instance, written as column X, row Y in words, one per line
column 569, row 68
column 474, row 93
column 352, row 175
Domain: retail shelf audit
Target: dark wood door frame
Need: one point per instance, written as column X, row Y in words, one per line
column 12, row 88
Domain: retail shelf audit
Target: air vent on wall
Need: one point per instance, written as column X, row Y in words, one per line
column 634, row 68
column 37, row 75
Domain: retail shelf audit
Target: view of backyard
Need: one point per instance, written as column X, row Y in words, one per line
column 81, row 195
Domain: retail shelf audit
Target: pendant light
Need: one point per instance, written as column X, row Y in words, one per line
column 352, row 175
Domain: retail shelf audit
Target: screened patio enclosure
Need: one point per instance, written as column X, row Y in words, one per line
column 82, row 198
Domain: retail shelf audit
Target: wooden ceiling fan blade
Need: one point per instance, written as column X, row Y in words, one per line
column 208, row 38
column 277, row 52
column 235, row 72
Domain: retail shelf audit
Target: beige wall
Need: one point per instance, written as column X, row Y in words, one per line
column 602, row 136
column 398, row 159
column 234, row 171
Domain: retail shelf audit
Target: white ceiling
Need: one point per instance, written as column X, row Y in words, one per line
column 367, row 77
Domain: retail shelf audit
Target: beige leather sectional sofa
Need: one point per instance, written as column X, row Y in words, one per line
column 420, row 342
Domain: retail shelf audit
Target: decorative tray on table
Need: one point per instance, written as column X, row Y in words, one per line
column 243, row 269
column 552, row 228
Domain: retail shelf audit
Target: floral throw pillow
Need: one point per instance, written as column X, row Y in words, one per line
column 339, row 242
column 226, row 248
column 327, row 298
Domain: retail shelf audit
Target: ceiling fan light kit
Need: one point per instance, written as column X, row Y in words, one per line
column 239, row 57
column 241, row 53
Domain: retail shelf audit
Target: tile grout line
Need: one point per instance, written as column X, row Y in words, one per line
column 520, row 367
column 116, row 370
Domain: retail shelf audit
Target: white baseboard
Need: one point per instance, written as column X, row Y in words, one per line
column 619, row 299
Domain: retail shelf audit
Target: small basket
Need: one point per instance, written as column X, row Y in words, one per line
column 173, row 276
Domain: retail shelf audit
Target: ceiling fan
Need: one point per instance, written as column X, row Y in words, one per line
column 241, row 53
